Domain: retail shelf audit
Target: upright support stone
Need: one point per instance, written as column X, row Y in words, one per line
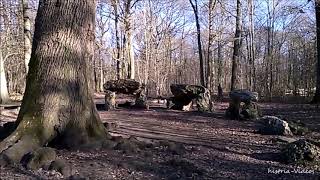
column 110, row 100
column 250, row 110
column 141, row 100
column 203, row 101
column 233, row 111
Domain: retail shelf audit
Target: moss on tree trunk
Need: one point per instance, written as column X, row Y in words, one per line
column 58, row 105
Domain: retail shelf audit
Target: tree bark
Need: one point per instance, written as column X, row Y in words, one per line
column 316, row 98
column 58, row 103
column 236, row 50
column 116, row 23
column 210, row 59
column 251, row 46
column 27, row 33
column 128, row 39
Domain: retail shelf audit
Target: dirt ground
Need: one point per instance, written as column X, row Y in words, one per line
column 191, row 146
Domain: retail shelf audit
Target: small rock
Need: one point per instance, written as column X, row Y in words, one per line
column 63, row 167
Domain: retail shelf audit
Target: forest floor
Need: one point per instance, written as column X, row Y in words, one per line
column 193, row 146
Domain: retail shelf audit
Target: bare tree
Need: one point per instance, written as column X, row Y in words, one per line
column 128, row 26
column 251, row 46
column 115, row 5
column 194, row 5
column 236, row 48
column 210, row 59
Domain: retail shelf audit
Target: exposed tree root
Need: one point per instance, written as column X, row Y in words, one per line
column 9, row 141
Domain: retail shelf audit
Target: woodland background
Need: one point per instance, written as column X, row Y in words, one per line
column 155, row 42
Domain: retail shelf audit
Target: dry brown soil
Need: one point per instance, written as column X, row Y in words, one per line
column 208, row 146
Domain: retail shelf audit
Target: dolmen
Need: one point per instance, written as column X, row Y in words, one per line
column 185, row 95
column 128, row 87
column 249, row 109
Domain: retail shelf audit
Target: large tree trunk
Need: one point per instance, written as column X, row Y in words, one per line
column 58, row 104
column 236, row 50
column 316, row 98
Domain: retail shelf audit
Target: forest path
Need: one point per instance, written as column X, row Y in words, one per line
column 214, row 147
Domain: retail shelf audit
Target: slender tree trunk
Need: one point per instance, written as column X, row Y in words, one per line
column 316, row 98
column 196, row 14
column 251, row 46
column 58, row 104
column 27, row 33
column 236, row 50
column 147, row 40
column 219, row 63
column 128, row 40
column 4, row 95
column 95, row 74
column 116, row 23
column 131, row 57
column 210, row 59
column 101, row 75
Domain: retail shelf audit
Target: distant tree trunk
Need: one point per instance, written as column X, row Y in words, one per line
column 58, row 104
column 27, row 33
column 316, row 98
column 220, row 66
column 128, row 40
column 210, row 60
column 95, row 74
column 130, row 51
column 236, row 49
column 196, row 14
column 251, row 46
column 116, row 23
column 101, row 75
column 146, row 41
column 4, row 95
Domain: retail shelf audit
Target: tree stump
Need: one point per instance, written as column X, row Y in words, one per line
column 250, row 108
column 110, row 100
column 185, row 95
